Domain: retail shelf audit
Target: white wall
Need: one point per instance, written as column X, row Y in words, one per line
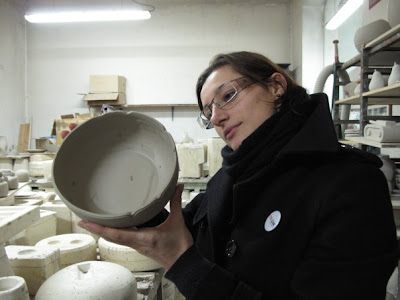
column 161, row 58
column 12, row 70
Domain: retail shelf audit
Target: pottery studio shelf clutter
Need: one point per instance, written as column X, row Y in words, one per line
column 10, row 198
column 373, row 57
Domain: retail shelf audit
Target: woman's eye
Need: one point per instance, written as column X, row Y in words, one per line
column 228, row 95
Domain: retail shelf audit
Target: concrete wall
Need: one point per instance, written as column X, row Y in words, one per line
column 12, row 70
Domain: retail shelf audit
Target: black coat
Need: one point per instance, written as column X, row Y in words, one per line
column 335, row 238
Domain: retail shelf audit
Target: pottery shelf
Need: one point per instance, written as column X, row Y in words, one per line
column 363, row 141
column 172, row 107
column 382, row 96
column 380, row 53
column 375, row 48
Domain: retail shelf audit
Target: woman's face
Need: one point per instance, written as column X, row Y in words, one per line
column 251, row 107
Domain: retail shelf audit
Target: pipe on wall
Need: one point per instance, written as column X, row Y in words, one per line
column 344, row 79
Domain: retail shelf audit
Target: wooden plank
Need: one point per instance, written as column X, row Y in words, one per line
column 392, row 91
column 364, row 141
column 24, row 137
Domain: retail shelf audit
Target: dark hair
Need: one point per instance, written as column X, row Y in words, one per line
column 256, row 67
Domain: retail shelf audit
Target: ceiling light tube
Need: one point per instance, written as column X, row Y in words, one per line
column 344, row 12
column 88, row 16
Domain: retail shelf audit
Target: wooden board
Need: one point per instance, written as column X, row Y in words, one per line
column 24, row 137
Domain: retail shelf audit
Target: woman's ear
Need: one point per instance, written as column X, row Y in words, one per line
column 279, row 85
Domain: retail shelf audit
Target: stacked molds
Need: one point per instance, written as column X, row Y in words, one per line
column 125, row 256
column 35, row 265
column 191, row 159
column 74, row 247
column 41, row 229
column 13, row 220
column 214, row 158
column 64, row 223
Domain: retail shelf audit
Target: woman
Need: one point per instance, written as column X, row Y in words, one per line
column 290, row 215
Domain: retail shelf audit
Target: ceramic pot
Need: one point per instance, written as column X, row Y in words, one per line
column 349, row 88
column 369, row 32
column 394, row 76
column 3, row 187
column 22, row 175
column 11, row 178
column 357, row 89
column 13, row 287
column 377, row 81
column 3, row 146
column 130, row 157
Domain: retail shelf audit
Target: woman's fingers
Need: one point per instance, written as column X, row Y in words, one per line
column 164, row 243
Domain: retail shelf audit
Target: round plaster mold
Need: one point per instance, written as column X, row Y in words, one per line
column 118, row 170
column 90, row 280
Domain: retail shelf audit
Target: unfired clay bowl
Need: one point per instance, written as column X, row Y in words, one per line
column 118, row 170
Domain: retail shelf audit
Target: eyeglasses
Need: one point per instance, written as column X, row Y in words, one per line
column 223, row 99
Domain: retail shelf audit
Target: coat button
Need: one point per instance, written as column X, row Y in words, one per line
column 231, row 248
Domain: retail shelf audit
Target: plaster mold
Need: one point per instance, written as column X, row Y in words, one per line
column 6, row 163
column 74, row 247
column 38, row 168
column 20, row 163
column 13, row 288
column 22, row 175
column 123, row 175
column 13, row 220
column 64, row 222
column 27, row 202
column 90, row 280
column 214, row 146
column 34, row 264
column 41, row 157
column 191, row 159
column 125, row 256
column 43, row 228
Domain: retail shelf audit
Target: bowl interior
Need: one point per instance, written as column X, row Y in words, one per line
column 115, row 164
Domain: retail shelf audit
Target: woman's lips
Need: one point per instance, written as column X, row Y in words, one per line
column 230, row 132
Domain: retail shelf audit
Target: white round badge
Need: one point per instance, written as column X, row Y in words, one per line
column 272, row 221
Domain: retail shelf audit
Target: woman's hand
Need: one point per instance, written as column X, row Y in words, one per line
column 164, row 243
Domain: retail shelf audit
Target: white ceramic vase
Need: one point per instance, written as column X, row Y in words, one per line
column 377, row 81
column 357, row 89
column 3, row 146
column 394, row 76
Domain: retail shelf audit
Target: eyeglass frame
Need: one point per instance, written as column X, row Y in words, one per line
column 243, row 83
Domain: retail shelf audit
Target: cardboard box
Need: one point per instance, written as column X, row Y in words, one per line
column 67, row 123
column 44, row 142
column 98, row 99
column 107, row 84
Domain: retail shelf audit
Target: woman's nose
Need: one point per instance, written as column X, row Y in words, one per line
column 218, row 116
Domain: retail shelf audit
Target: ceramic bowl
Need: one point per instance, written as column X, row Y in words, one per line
column 370, row 31
column 118, row 170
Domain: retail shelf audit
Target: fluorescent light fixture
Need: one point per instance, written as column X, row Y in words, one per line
column 88, row 16
column 344, row 12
